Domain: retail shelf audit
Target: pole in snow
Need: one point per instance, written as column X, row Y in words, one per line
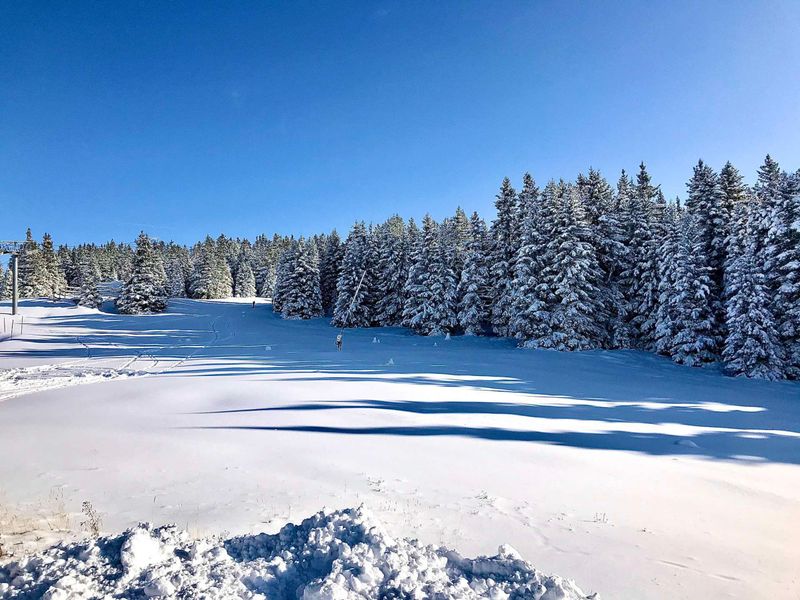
column 14, row 285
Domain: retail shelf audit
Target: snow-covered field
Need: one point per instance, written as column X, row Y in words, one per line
column 633, row 476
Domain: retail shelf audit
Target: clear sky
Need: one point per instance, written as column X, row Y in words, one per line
column 187, row 118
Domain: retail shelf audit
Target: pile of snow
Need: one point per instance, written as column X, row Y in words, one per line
column 338, row 555
column 15, row 382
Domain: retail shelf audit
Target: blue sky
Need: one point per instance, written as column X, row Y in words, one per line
column 187, row 118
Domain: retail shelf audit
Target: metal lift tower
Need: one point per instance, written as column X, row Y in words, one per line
column 13, row 248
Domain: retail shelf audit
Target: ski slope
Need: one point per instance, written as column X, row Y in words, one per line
column 633, row 476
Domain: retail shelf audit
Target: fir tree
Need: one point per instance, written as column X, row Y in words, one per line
column 391, row 271
column 501, row 268
column 431, row 286
column 752, row 348
column 571, row 275
column 694, row 341
column 87, row 279
column 330, row 266
column 354, row 306
column 245, row 283
column 529, row 308
column 667, row 311
column 473, row 292
column 145, row 291
column 300, row 297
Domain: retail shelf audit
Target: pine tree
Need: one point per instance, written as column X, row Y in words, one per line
column 571, row 275
column 787, row 261
column 5, row 283
column 643, row 217
column 354, row 307
column 329, row 268
column 87, row 279
column 431, row 287
column 706, row 205
column 55, row 282
column 607, row 235
column 667, row 311
column 211, row 277
column 145, row 291
column 301, row 297
column 473, row 292
column 752, row 348
column 529, row 308
column 694, row 341
column 245, row 283
column 32, row 277
column 391, row 271
column 284, row 273
column 501, row 268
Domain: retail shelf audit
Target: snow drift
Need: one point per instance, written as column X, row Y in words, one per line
column 330, row 556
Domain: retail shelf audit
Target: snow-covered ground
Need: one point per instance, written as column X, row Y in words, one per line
column 633, row 476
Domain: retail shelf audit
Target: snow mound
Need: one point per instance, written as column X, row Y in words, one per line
column 342, row 555
column 16, row 382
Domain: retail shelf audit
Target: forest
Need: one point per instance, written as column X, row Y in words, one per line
column 573, row 265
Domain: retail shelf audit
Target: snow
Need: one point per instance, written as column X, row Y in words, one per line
column 631, row 475
column 338, row 555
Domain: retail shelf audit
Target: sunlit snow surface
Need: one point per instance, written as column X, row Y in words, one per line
column 635, row 477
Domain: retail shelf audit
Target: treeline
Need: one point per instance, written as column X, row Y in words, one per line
column 570, row 266
column 582, row 265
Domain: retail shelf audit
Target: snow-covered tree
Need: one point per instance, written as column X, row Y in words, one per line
column 473, row 288
column 300, row 295
column 145, row 291
column 329, row 268
column 244, row 285
column 211, row 276
column 752, row 347
column 668, row 251
column 571, row 275
column 643, row 218
column 391, row 271
column 607, row 234
column 431, row 306
column 694, row 340
column 354, row 299
column 32, row 275
column 503, row 250
column 55, row 282
column 87, row 279
column 530, row 317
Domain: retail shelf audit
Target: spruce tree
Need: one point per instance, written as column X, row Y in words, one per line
column 643, row 217
column 667, row 311
column 607, row 235
column 571, row 276
column 752, row 347
column 473, row 288
column 145, row 291
column 329, row 268
column 431, row 308
column 391, row 271
column 354, row 307
column 245, row 283
column 88, row 277
column 694, row 340
column 529, row 308
column 300, row 296
column 501, row 268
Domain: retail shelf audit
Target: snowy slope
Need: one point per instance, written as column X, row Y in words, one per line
column 636, row 477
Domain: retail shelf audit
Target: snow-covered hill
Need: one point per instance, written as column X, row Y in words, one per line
column 633, row 476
